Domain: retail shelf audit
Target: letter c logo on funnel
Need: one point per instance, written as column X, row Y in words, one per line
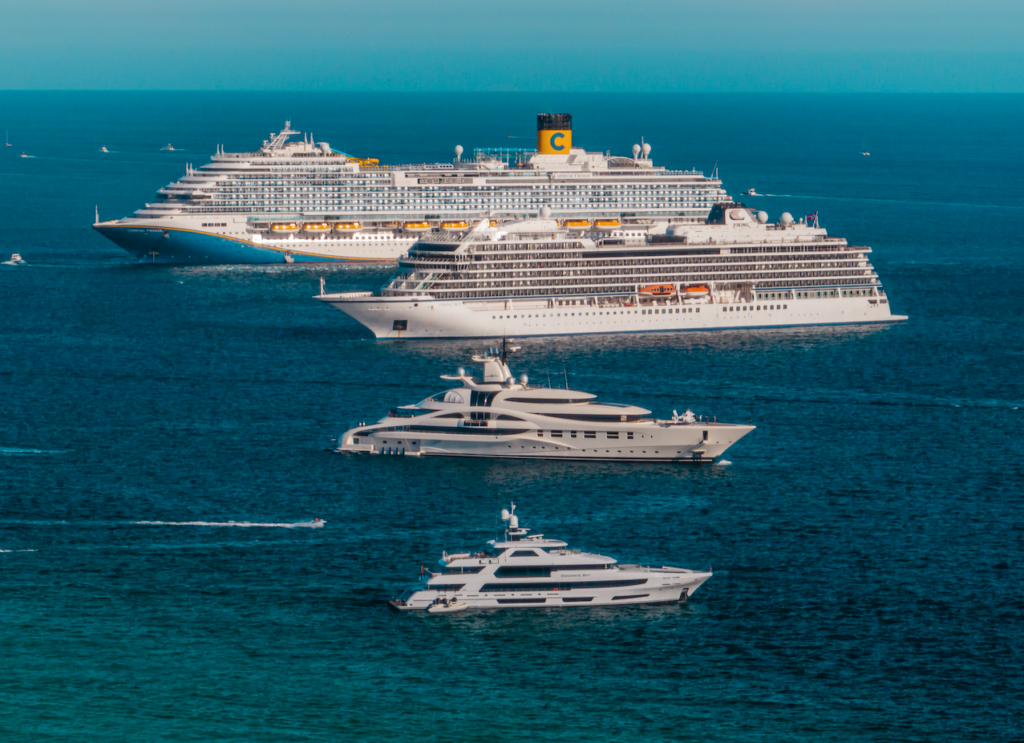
column 558, row 136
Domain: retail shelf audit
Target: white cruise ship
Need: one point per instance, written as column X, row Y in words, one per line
column 519, row 570
column 497, row 416
column 299, row 201
column 538, row 277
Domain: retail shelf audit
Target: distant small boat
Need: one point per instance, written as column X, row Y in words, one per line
column 865, row 154
column 752, row 192
column 169, row 147
column 24, row 155
column 104, row 149
column 16, row 260
column 7, row 138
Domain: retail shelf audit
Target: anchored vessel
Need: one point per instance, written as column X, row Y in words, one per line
column 304, row 201
column 538, row 277
column 523, row 570
column 500, row 417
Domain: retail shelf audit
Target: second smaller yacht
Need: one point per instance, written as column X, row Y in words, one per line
column 519, row 570
column 497, row 416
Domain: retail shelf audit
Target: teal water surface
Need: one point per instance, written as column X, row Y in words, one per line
column 866, row 539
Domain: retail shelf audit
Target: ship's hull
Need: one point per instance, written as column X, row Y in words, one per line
column 695, row 443
column 179, row 245
column 390, row 318
column 660, row 586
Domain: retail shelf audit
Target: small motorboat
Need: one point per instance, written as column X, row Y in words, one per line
column 104, row 149
column 284, row 228
column 576, row 224
column 168, row 148
column 344, row 228
column 865, row 154
column 752, row 192
column 16, row 260
column 447, row 606
column 659, row 290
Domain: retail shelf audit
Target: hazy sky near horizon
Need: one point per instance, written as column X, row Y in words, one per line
column 533, row 45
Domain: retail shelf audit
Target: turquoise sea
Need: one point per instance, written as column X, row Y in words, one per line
column 866, row 539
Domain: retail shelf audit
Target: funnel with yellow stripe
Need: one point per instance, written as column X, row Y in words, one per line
column 554, row 134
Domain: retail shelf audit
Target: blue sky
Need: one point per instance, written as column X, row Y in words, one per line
column 551, row 45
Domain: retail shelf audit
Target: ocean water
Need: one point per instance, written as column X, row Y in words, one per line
column 163, row 434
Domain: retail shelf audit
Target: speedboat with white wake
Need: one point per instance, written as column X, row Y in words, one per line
column 519, row 570
column 16, row 260
column 496, row 416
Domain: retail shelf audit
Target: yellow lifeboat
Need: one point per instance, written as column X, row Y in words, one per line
column 416, row 226
column 284, row 228
column 316, row 228
column 494, row 223
column 695, row 291
column 454, row 226
column 347, row 228
column 607, row 224
column 578, row 224
column 659, row 290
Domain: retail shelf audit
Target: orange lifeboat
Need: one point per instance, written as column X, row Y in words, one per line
column 454, row 226
column 690, row 292
column 416, row 226
column 347, row 228
column 316, row 228
column 576, row 224
column 607, row 224
column 284, row 228
column 659, row 290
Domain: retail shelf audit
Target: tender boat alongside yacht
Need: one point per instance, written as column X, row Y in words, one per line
column 519, row 570
column 497, row 416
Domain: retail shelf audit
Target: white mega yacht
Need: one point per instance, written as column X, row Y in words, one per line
column 497, row 416
column 523, row 570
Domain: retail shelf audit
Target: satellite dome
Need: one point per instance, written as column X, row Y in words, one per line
column 646, row 149
column 513, row 521
column 458, row 151
column 523, row 379
column 636, row 150
column 461, row 372
column 786, row 218
column 505, row 514
column 762, row 217
column 545, row 212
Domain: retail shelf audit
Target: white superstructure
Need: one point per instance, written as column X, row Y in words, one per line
column 295, row 201
column 537, row 277
column 523, row 570
column 497, row 416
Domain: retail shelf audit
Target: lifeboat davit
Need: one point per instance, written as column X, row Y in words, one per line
column 416, row 226
column 284, row 228
column 607, row 224
column 576, row 224
column 347, row 228
column 659, row 290
column 454, row 226
column 316, row 228
column 695, row 291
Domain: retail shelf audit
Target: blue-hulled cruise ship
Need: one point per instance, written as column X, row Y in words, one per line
column 302, row 201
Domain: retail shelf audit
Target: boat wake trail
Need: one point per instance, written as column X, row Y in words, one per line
column 18, row 451
column 9, row 551
column 315, row 524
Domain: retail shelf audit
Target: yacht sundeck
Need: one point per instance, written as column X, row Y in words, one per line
column 523, row 570
column 496, row 416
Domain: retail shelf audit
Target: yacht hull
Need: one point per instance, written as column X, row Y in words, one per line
column 389, row 318
column 663, row 586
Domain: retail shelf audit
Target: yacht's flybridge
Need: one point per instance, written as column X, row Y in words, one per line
column 523, row 570
column 500, row 416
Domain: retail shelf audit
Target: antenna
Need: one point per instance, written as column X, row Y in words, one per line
column 565, row 374
column 97, row 214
